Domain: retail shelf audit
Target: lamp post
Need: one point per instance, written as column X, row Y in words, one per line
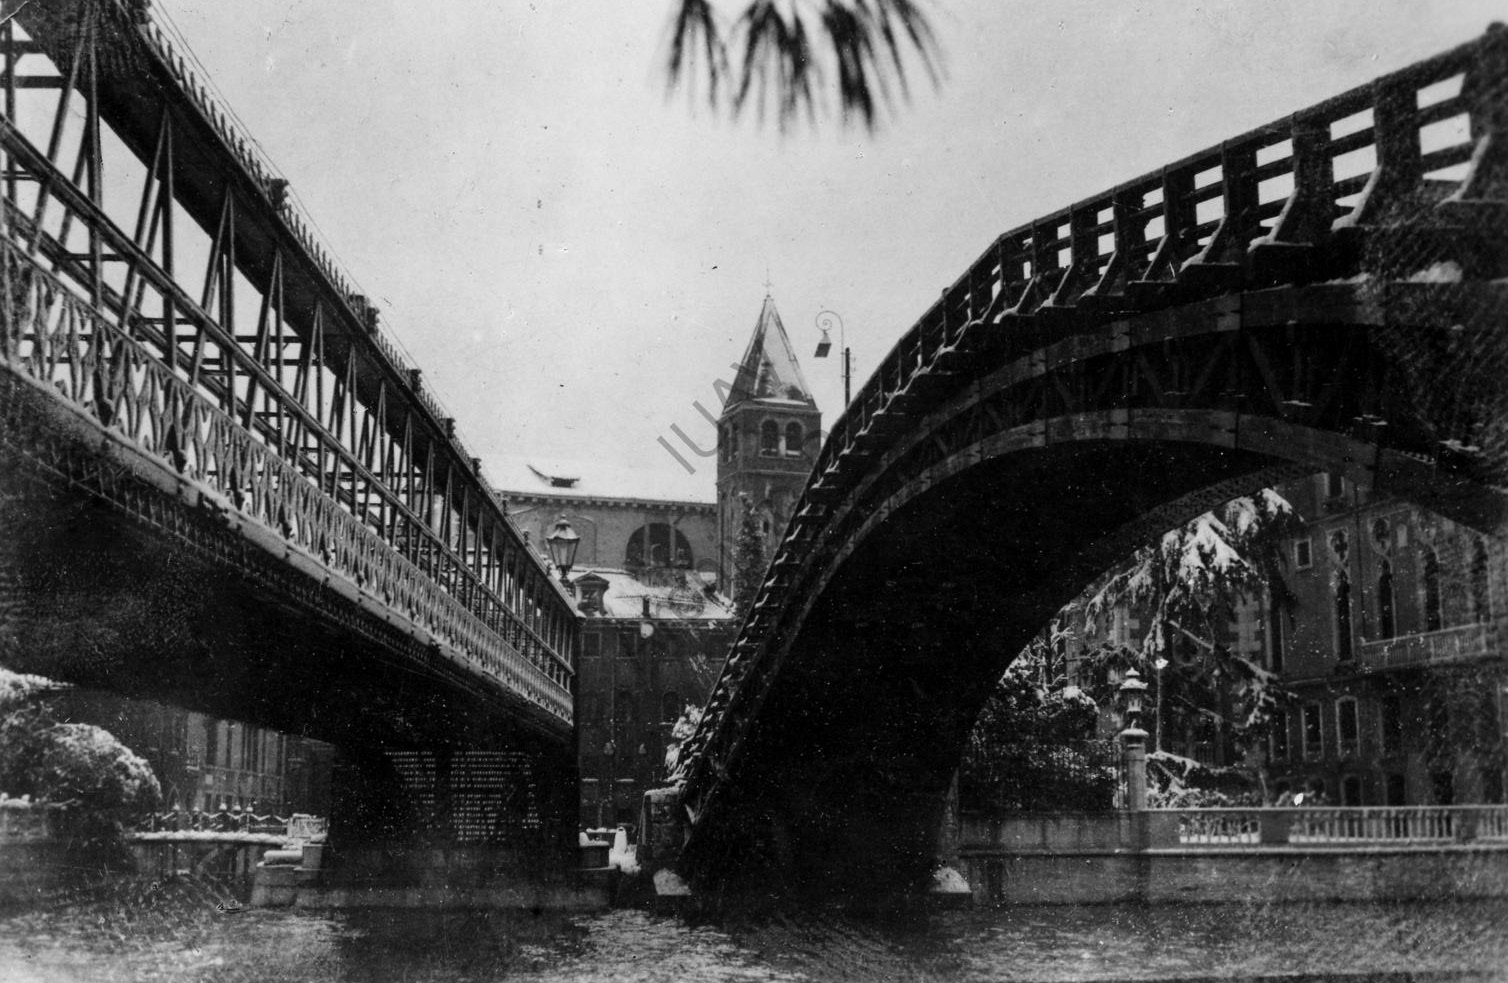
column 1134, row 742
column 825, row 321
column 563, row 541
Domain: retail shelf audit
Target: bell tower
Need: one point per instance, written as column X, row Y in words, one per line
column 767, row 438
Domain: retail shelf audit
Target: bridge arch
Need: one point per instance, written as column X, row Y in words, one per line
column 1082, row 388
column 946, row 556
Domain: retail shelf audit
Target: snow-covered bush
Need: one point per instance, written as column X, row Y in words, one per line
column 102, row 782
column 683, row 728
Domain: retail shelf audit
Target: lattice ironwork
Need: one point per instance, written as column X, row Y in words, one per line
column 156, row 276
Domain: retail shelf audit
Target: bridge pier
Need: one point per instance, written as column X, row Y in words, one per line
column 452, row 826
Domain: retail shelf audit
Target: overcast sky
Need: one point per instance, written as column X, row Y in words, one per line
column 573, row 258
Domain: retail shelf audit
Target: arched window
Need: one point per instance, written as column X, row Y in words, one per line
column 769, row 438
column 1274, row 636
column 658, row 544
column 670, row 707
column 794, row 437
column 1430, row 576
column 1385, row 625
column 623, row 714
column 1342, row 616
column 1479, row 598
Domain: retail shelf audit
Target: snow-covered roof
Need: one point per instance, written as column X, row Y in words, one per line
column 669, row 595
column 768, row 369
column 562, row 478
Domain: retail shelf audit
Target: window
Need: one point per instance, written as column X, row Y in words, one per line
column 1443, row 784
column 1392, row 723
column 1430, row 576
column 1492, row 784
column 1385, row 626
column 1314, row 732
column 1335, row 485
column 623, row 716
column 1487, row 719
column 769, row 438
column 1342, row 616
column 794, row 437
column 658, row 544
column 1278, row 740
column 1274, row 637
column 1437, row 724
column 1479, row 597
column 1303, row 553
column 1346, row 727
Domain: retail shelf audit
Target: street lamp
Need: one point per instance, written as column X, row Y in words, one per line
column 825, row 321
column 1131, row 690
column 1134, row 741
column 563, row 541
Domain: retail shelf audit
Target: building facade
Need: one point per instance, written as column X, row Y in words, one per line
column 1392, row 644
column 655, row 562
column 207, row 763
column 655, row 628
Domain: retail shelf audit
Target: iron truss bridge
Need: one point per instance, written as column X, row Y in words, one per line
column 1321, row 293
column 179, row 346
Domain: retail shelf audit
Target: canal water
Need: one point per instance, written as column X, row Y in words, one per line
column 178, row 932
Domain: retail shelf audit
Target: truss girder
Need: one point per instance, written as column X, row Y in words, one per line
column 156, row 273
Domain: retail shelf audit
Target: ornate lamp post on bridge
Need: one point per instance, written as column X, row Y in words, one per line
column 563, row 541
column 1134, row 742
column 825, row 321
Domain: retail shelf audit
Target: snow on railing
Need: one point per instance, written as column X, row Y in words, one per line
column 1328, row 826
column 299, row 826
column 245, row 151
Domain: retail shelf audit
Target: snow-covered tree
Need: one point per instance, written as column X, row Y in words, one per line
column 1184, row 590
column 101, row 781
column 683, row 728
column 1032, row 749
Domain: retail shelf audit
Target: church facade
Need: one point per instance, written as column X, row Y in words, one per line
column 654, row 566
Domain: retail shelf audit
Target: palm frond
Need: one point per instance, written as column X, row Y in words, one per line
column 773, row 61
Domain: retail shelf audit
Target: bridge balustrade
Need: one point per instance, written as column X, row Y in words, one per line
column 60, row 341
column 1327, row 826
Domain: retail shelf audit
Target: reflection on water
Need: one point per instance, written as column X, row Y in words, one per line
column 175, row 933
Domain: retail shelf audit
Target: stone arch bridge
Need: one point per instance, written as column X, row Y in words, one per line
column 1322, row 293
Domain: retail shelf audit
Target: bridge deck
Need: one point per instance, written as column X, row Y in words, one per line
column 163, row 292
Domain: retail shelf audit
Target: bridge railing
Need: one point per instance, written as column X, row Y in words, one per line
column 1404, row 140
column 59, row 340
column 1410, row 140
column 1328, row 826
column 1237, row 829
column 245, row 150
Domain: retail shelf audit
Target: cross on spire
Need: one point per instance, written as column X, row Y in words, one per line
column 767, row 283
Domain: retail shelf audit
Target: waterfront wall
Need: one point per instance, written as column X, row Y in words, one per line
column 1272, row 855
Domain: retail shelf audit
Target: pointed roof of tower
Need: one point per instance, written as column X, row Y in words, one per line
column 768, row 369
